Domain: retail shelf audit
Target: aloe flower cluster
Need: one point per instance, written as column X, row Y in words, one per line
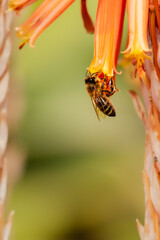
column 143, row 48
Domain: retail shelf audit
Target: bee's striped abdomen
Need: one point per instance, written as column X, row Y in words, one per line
column 106, row 106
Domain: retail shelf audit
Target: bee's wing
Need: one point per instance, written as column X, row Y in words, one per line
column 95, row 108
column 98, row 112
column 101, row 114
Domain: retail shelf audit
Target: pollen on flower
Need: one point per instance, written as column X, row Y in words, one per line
column 18, row 5
column 24, row 35
column 138, row 58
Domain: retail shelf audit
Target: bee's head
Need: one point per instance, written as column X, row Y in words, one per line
column 90, row 80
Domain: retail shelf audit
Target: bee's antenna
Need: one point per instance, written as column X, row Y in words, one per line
column 87, row 71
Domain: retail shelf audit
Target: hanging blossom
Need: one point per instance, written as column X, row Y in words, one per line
column 108, row 31
column 45, row 14
column 137, row 48
column 145, row 15
column 108, row 34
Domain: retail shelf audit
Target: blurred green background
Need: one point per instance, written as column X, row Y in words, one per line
column 82, row 178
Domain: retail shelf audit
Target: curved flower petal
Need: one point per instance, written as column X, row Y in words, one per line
column 88, row 24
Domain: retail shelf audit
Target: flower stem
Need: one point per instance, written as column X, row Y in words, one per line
column 154, row 41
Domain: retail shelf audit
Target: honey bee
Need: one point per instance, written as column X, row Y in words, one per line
column 100, row 95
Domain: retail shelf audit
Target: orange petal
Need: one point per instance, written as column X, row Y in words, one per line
column 142, row 12
column 138, row 11
column 88, row 24
column 108, row 32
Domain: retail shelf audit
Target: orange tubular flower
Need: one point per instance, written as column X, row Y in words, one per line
column 45, row 14
column 137, row 23
column 108, row 33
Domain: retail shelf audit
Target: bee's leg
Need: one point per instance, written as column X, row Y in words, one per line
column 116, row 90
column 106, row 91
column 110, row 93
column 104, row 81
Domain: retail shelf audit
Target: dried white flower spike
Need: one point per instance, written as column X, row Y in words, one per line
column 5, row 50
column 140, row 229
column 7, row 227
column 138, row 107
column 3, row 181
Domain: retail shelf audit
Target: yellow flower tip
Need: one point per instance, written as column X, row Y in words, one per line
column 138, row 58
column 21, row 34
column 12, row 5
column 18, row 5
column 25, row 40
column 93, row 69
column 108, row 74
column 22, row 45
column 9, row 10
column 140, row 62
